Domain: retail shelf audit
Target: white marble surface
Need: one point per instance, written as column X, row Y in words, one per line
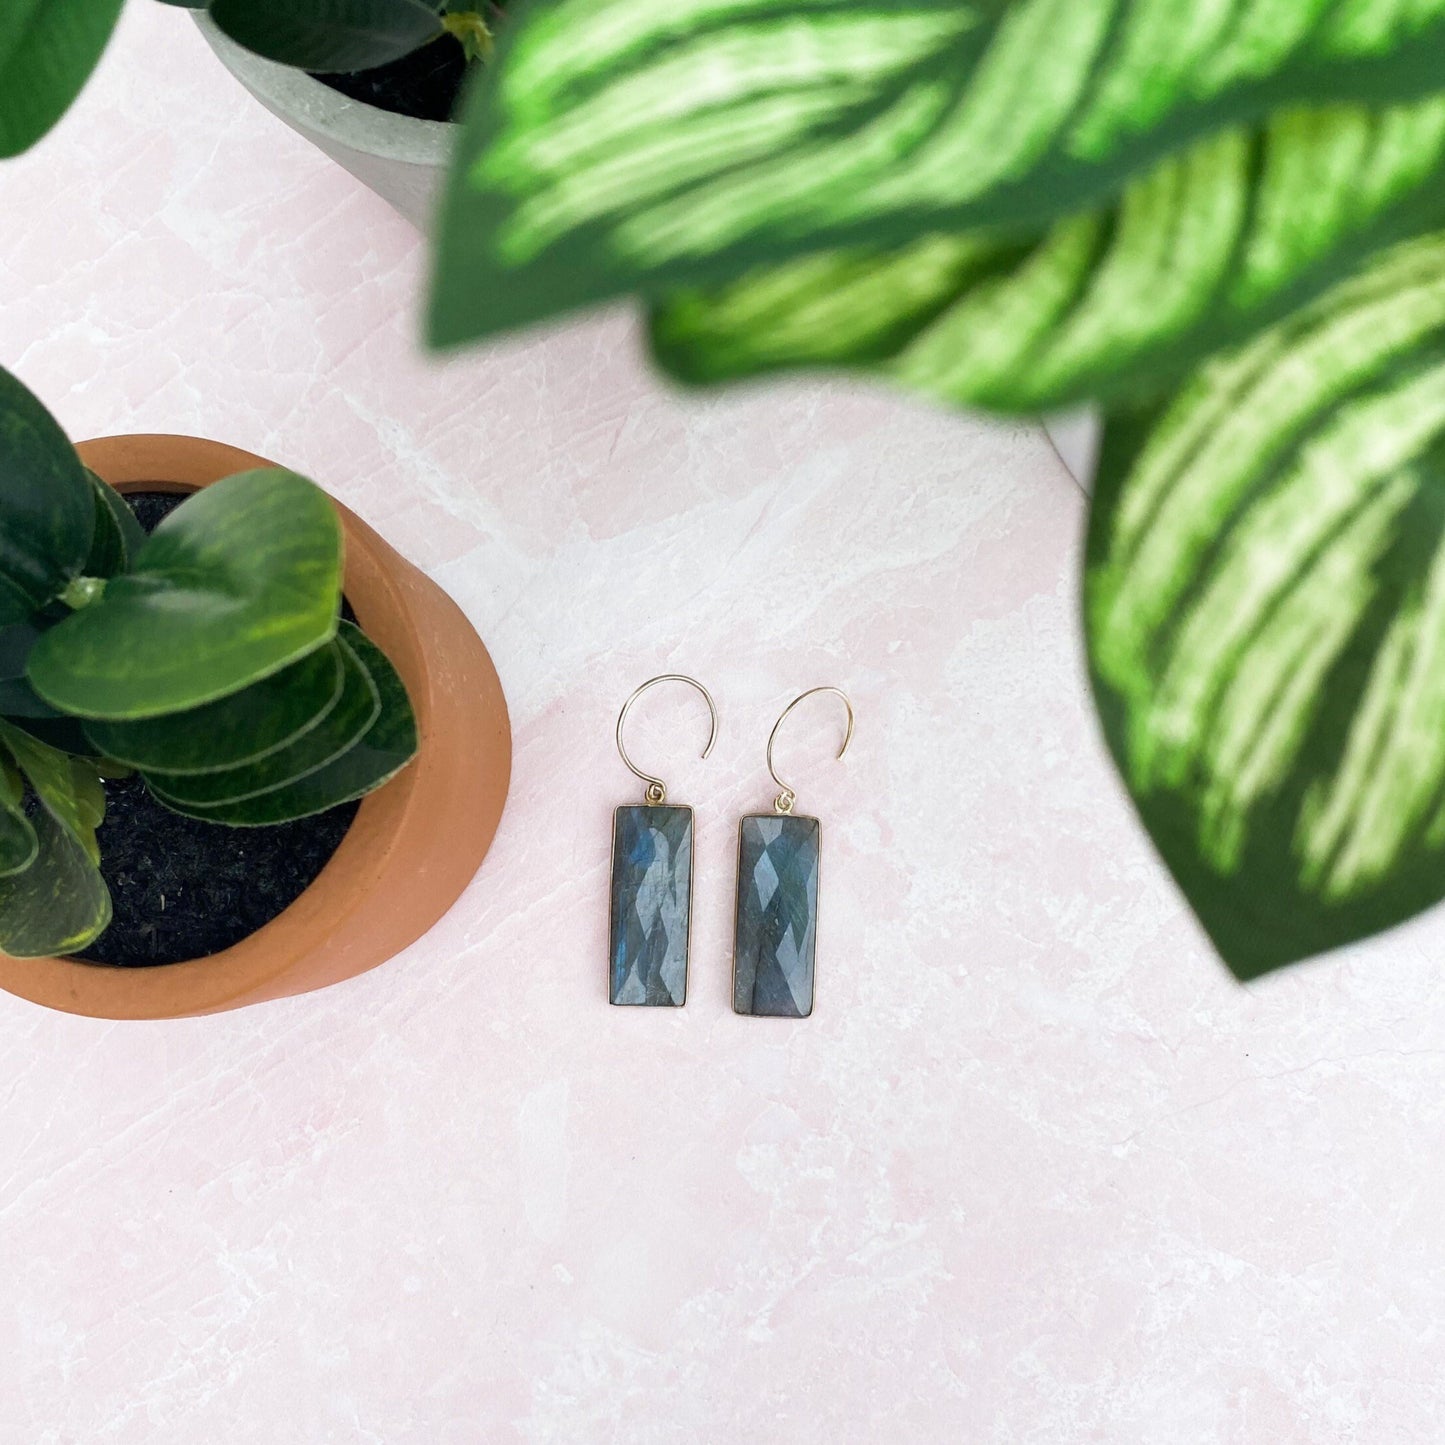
column 1036, row 1172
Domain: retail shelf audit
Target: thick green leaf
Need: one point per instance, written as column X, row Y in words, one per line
column 243, row 728
column 48, row 49
column 15, row 644
column 387, row 748
column 47, row 510
column 57, row 905
column 1200, row 253
column 1265, row 607
column 64, row 734
column 238, row 582
column 118, row 537
column 343, row 726
column 17, row 697
column 328, row 35
column 68, row 789
column 629, row 146
column 18, row 845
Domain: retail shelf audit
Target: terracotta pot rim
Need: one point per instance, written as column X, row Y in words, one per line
column 414, row 844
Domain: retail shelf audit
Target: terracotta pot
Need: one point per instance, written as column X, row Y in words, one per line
column 415, row 844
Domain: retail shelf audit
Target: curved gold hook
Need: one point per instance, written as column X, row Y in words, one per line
column 656, row 788
column 785, row 800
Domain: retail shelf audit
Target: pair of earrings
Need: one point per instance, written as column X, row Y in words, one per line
column 776, row 932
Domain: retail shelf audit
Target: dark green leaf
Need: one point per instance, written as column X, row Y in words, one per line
column 17, row 697
column 47, row 510
column 1200, row 253
column 1265, row 607
column 15, row 644
column 241, row 580
column 47, row 50
column 118, row 537
column 65, row 734
column 18, row 845
column 243, row 728
column 342, row 727
column 386, row 749
column 328, row 35
column 70, row 791
column 57, row 905
column 633, row 146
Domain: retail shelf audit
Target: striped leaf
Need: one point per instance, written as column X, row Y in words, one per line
column 1265, row 610
column 1111, row 304
column 635, row 146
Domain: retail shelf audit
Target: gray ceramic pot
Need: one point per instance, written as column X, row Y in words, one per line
column 401, row 159
column 1076, row 436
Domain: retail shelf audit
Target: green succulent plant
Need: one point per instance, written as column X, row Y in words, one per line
column 210, row 658
column 1223, row 224
column 342, row 35
column 48, row 48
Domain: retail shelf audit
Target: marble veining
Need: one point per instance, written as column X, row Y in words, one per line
column 1036, row 1172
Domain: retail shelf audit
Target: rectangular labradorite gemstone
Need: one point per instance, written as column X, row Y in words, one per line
column 651, row 903
column 777, row 926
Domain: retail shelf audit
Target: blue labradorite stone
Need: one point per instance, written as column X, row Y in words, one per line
column 777, row 926
column 651, row 901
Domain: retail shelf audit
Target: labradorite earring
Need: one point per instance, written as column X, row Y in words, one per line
column 776, row 937
column 652, row 882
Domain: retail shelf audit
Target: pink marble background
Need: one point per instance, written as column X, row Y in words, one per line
column 1037, row 1171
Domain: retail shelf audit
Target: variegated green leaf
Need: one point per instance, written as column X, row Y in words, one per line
column 57, row 905
column 1265, row 607
column 18, row 845
column 629, row 146
column 68, row 788
column 1199, row 253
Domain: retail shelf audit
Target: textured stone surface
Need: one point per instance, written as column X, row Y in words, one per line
column 1036, row 1172
column 651, row 904
column 777, row 923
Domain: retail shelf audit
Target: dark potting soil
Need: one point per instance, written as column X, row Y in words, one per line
column 184, row 889
column 424, row 84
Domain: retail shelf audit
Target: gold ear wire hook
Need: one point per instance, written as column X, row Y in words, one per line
column 656, row 788
column 785, row 800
